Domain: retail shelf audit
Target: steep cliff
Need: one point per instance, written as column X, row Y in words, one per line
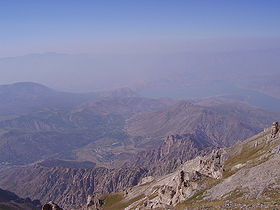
column 68, row 187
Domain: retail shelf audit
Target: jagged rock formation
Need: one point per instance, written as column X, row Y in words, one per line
column 94, row 202
column 245, row 175
column 51, row 206
column 180, row 185
column 274, row 129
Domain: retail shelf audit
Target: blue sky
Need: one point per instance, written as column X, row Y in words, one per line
column 30, row 26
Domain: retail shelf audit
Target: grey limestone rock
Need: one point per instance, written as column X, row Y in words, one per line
column 184, row 183
column 94, row 202
column 274, row 129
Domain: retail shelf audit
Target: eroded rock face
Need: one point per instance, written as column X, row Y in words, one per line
column 185, row 185
column 185, row 182
column 94, row 202
column 274, row 129
column 212, row 165
column 69, row 187
column 51, row 206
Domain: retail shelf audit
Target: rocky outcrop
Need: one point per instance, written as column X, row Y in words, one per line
column 274, row 129
column 212, row 165
column 174, row 188
column 95, row 202
column 51, row 206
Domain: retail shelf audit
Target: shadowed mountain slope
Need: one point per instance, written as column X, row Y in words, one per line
column 223, row 124
column 10, row 201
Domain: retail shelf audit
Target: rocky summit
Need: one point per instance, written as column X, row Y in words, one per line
column 244, row 176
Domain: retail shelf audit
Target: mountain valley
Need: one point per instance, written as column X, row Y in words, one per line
column 113, row 141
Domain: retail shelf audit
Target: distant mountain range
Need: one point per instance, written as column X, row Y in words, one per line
column 109, row 140
column 182, row 75
column 26, row 97
column 111, row 126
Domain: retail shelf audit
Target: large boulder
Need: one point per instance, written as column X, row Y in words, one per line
column 51, row 206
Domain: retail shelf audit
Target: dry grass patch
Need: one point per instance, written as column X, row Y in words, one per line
column 118, row 202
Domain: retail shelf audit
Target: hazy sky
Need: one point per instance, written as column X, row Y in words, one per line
column 101, row 44
column 77, row 26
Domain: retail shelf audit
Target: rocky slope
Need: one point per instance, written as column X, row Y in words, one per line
column 245, row 175
column 51, row 206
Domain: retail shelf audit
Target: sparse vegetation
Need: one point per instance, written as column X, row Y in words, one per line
column 117, row 202
column 235, row 194
column 111, row 200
